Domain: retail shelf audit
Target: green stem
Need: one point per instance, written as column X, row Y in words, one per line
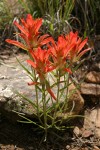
column 58, row 86
column 44, row 109
column 37, row 99
column 36, row 91
column 57, row 102
column 65, row 103
column 67, row 87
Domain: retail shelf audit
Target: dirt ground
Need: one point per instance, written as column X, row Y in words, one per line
column 17, row 136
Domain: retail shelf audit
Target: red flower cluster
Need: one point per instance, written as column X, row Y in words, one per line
column 68, row 47
column 77, row 45
column 41, row 62
column 30, row 34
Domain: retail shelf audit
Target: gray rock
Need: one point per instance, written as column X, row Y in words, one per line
column 13, row 78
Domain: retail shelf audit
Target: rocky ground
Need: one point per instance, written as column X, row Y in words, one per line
column 16, row 136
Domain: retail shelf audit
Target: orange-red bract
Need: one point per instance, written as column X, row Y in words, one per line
column 30, row 34
column 78, row 44
column 41, row 62
column 59, row 51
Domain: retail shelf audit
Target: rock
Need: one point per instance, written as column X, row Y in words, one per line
column 87, row 133
column 90, row 89
column 13, row 78
column 6, row 92
column 75, row 99
column 92, row 121
column 96, row 148
column 76, row 131
column 75, row 103
column 67, row 147
column 93, row 77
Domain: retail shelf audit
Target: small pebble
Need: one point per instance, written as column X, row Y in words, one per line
column 96, row 148
column 68, row 147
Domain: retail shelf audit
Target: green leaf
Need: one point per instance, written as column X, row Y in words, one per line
column 27, row 99
column 30, row 74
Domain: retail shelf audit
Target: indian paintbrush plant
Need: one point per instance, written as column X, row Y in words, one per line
column 52, row 64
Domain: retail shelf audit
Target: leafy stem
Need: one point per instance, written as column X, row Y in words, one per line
column 44, row 109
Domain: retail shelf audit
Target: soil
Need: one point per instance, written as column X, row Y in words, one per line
column 18, row 136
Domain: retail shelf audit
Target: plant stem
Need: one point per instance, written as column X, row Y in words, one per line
column 57, row 102
column 65, row 102
column 36, row 91
column 37, row 100
column 67, row 85
column 44, row 109
column 67, row 88
column 58, row 85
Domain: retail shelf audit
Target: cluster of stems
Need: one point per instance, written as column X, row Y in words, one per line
column 51, row 67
